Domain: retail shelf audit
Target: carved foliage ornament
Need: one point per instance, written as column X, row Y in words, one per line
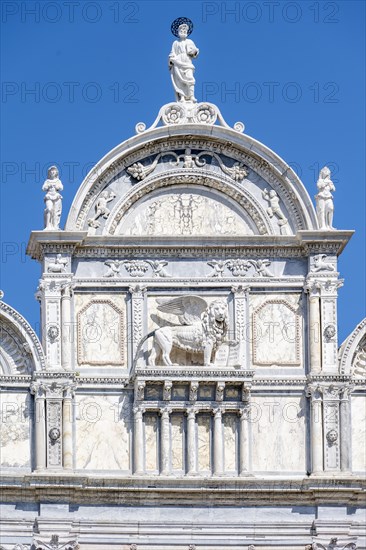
column 188, row 160
column 239, row 267
column 189, row 113
column 136, row 268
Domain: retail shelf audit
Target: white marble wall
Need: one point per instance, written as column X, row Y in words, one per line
column 278, row 427
column 103, row 432
column 358, row 407
column 15, row 430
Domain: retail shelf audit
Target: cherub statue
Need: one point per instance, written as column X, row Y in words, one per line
column 203, row 328
column 113, row 268
column 101, row 208
column 158, row 267
column 218, row 268
column 324, row 199
column 274, row 205
column 52, row 199
column 180, row 60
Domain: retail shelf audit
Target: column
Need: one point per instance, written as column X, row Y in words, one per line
column 138, row 435
column 191, row 442
column 218, row 443
column 67, row 428
column 40, row 426
column 66, row 329
column 244, row 448
column 165, row 441
column 345, row 422
column 316, row 430
column 314, row 330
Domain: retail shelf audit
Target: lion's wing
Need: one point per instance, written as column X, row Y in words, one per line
column 188, row 308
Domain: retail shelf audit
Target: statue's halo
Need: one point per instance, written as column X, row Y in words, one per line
column 178, row 22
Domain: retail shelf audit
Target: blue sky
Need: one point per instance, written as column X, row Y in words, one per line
column 77, row 76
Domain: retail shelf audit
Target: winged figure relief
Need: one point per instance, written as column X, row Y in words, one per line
column 203, row 328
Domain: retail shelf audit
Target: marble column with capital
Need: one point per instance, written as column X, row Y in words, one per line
column 218, row 442
column 314, row 328
column 138, row 439
column 345, row 428
column 40, row 425
column 244, row 441
column 316, row 430
column 67, row 427
column 165, row 445
column 66, row 328
column 191, row 441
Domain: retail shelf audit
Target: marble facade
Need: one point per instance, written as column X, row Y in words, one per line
column 254, row 436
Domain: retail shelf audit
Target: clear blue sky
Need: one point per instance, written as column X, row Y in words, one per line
column 77, row 76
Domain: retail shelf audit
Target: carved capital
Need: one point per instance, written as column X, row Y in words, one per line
column 167, row 390
column 137, row 291
column 240, row 290
column 140, row 390
column 220, row 387
column 193, row 391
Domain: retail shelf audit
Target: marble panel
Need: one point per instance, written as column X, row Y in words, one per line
column 204, row 436
column 230, row 428
column 151, row 442
column 177, row 431
column 197, row 212
column 103, row 432
column 358, row 408
column 101, row 326
column 276, row 338
column 15, row 449
column 275, row 422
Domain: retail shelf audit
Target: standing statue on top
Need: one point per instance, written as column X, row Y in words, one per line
column 180, row 60
column 52, row 199
column 324, row 199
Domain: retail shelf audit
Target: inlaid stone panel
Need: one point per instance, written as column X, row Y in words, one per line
column 15, row 430
column 358, row 407
column 103, row 432
column 230, row 425
column 151, row 442
column 101, row 329
column 177, row 439
column 204, row 437
column 276, row 330
column 278, row 426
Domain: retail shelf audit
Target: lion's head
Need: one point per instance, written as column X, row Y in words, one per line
column 215, row 320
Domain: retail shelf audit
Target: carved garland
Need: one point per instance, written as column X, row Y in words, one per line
column 261, row 167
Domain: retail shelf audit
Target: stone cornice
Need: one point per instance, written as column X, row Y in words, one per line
column 53, row 241
column 80, row 245
column 324, row 241
column 225, row 490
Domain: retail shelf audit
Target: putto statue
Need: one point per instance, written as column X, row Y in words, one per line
column 203, row 328
column 324, row 199
column 52, row 199
column 180, row 60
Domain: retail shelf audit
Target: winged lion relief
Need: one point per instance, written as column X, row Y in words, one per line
column 203, row 328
